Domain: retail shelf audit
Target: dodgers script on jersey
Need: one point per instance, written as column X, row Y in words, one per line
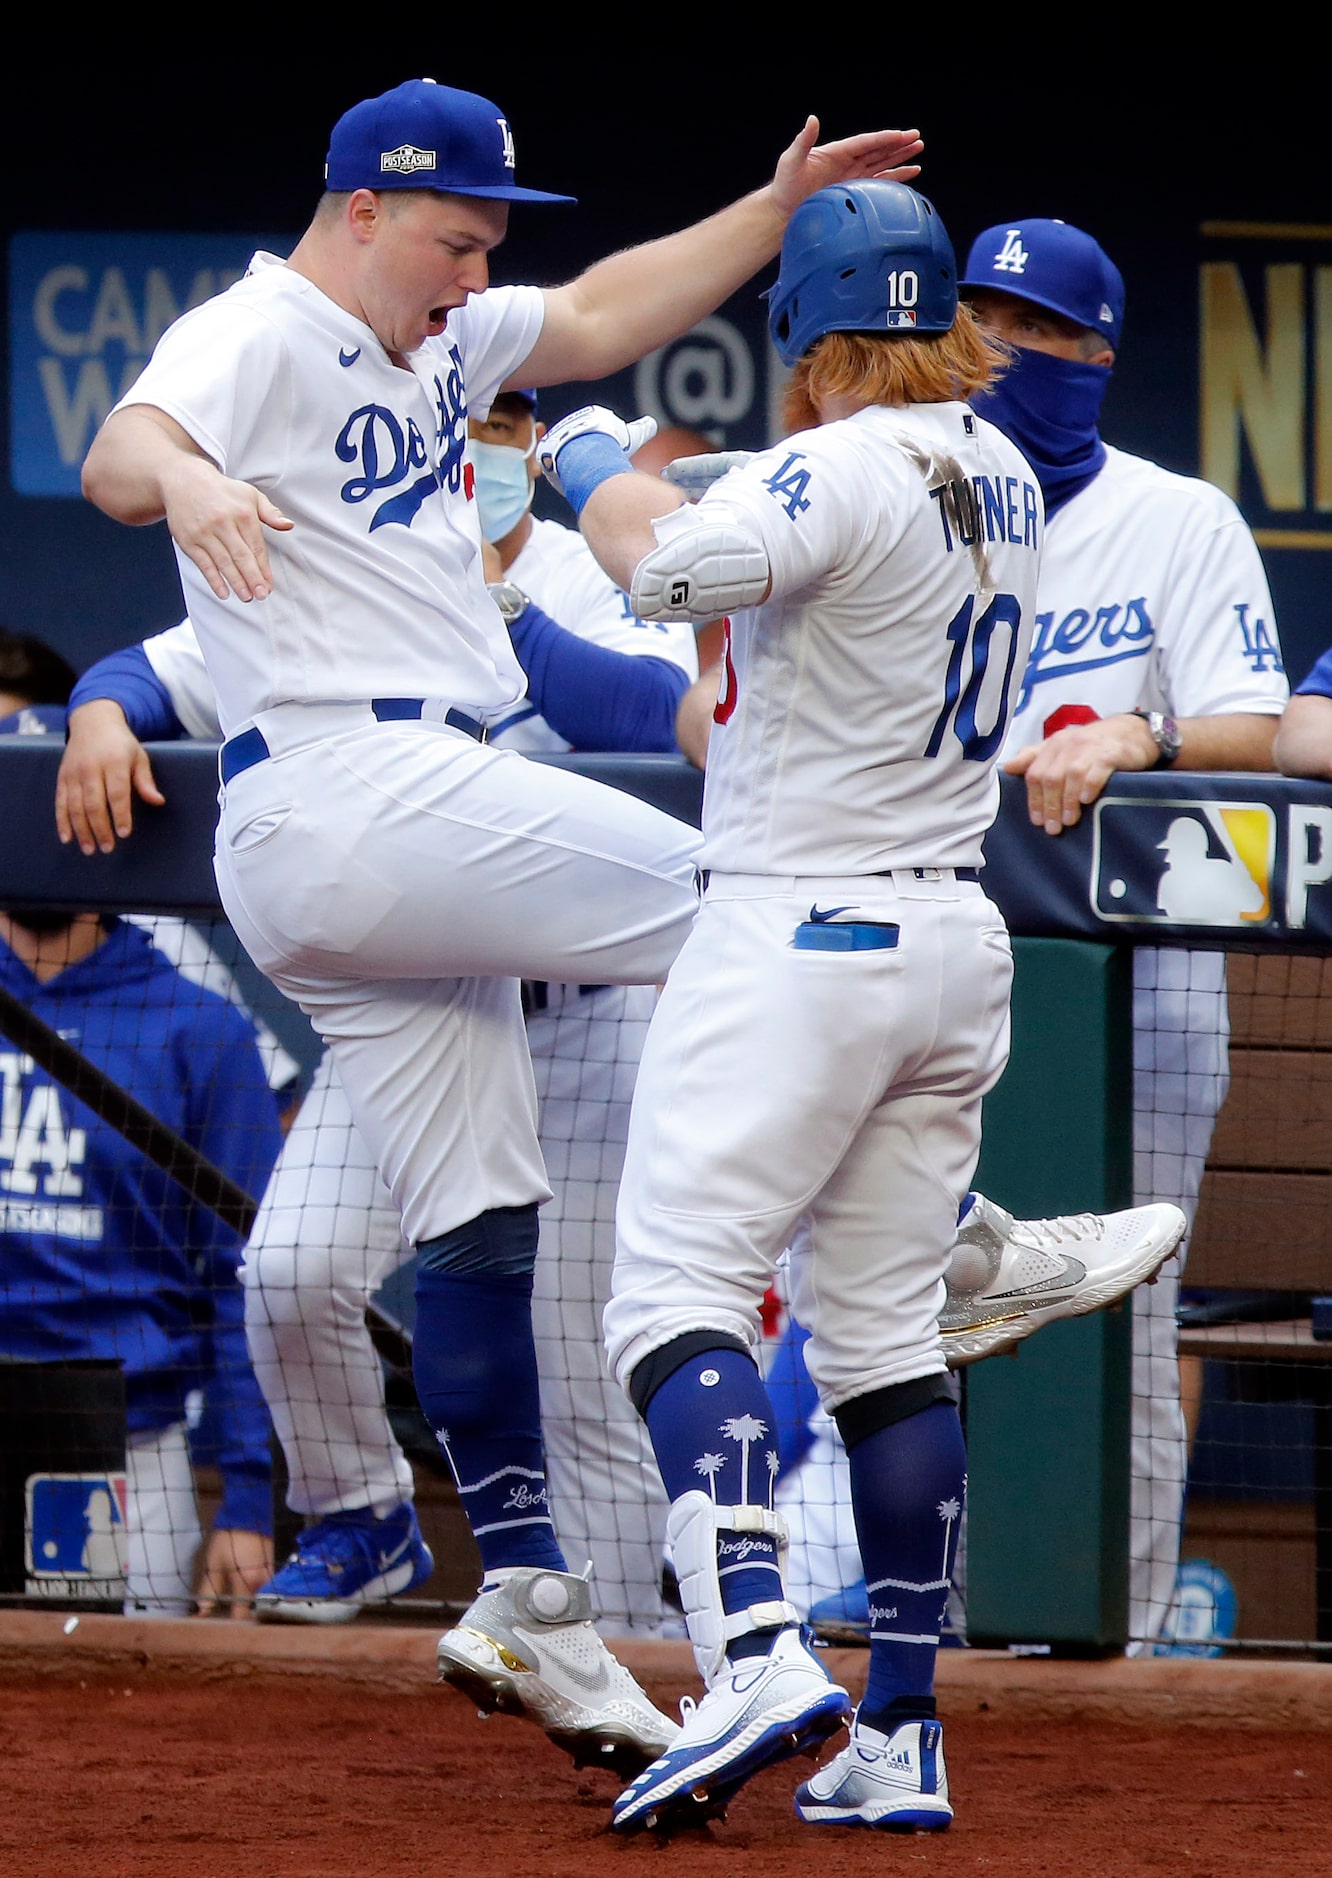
column 808, row 773
column 285, row 390
column 1153, row 594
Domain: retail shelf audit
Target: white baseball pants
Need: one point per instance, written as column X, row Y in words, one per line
column 398, row 880
column 845, row 1086
column 161, row 1524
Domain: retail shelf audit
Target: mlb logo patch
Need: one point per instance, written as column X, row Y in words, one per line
column 75, row 1539
column 1183, row 863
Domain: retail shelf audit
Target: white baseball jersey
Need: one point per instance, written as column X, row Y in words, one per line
column 283, row 389
column 902, row 542
column 1152, row 594
column 555, row 570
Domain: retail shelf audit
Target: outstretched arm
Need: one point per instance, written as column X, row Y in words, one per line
column 626, row 306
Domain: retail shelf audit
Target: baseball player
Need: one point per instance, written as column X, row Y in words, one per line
column 304, row 437
column 841, row 1005
column 100, row 1254
column 1155, row 646
column 328, row 1235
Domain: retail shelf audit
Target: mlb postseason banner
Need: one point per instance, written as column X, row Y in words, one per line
column 85, row 311
column 1226, row 861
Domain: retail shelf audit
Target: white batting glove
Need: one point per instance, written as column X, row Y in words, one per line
column 593, row 417
column 693, row 476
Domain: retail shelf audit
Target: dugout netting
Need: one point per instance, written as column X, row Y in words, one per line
column 135, row 1411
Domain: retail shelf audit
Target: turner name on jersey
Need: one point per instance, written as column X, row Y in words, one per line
column 865, row 578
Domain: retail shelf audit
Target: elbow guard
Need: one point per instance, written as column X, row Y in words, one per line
column 700, row 569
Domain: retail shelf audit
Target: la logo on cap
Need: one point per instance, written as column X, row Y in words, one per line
column 406, row 160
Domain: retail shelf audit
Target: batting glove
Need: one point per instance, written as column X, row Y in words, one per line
column 594, row 444
column 693, row 476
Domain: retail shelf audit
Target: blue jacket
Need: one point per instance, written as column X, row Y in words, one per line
column 101, row 1255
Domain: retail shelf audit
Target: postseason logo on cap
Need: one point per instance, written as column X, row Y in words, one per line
column 406, row 160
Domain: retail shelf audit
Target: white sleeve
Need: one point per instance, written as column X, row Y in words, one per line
column 222, row 372
column 176, row 659
column 1217, row 648
column 495, row 333
column 801, row 500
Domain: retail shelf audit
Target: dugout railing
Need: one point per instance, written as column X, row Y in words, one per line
column 1048, row 1431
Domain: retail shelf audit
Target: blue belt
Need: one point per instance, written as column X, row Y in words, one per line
column 250, row 747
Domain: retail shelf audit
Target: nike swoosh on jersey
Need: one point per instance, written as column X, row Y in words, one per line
column 346, row 358
column 821, row 918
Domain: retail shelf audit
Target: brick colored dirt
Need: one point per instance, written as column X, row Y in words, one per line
column 156, row 1777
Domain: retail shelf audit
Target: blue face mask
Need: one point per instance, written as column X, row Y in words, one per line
column 1049, row 408
column 503, row 486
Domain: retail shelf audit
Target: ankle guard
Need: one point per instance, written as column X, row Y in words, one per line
column 692, row 1528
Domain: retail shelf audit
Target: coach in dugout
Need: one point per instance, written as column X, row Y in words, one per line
column 101, row 1254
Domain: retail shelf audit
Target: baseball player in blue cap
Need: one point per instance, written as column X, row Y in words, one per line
column 304, row 437
column 840, row 1007
column 1155, row 647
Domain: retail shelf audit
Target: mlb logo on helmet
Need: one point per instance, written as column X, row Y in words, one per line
column 422, row 135
column 1183, row 863
column 75, row 1542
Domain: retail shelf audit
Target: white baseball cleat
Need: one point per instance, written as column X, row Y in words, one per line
column 896, row 1782
column 526, row 1646
column 1010, row 1276
column 759, row 1709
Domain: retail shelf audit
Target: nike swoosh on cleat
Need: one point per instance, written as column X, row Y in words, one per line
column 348, row 358
column 390, row 1558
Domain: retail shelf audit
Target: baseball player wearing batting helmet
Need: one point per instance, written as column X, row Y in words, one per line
column 1155, row 647
column 841, row 1005
column 304, row 437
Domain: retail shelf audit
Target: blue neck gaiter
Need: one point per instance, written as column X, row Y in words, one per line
column 1049, row 408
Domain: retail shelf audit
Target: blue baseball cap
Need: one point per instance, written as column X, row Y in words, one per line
column 1053, row 265
column 422, row 135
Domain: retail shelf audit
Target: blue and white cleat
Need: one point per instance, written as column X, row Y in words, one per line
column 344, row 1562
column 759, row 1710
column 895, row 1782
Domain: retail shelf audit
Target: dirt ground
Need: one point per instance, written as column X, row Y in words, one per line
column 160, row 1777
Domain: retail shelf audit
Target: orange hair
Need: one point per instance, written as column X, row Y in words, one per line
column 893, row 368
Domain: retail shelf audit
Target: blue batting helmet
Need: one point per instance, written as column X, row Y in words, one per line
column 862, row 258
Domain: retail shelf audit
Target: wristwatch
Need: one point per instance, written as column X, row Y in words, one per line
column 509, row 598
column 1164, row 734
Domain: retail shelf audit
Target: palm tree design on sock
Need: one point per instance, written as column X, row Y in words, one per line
column 746, row 1429
column 950, row 1511
column 710, row 1465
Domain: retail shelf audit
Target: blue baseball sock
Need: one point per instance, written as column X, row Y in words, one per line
column 908, row 1487
column 713, row 1428
column 475, row 1367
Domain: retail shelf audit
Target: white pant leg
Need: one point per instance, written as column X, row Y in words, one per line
column 326, row 1237
column 392, row 879
column 1181, row 1071
column 607, row 1500
column 162, row 1524
column 778, row 1081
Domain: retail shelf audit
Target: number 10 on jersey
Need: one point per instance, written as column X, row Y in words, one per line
column 973, row 643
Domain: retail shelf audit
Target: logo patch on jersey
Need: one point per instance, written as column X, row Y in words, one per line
column 406, row 160
column 1260, row 648
column 1012, row 257
column 348, row 358
column 1214, row 862
column 75, row 1541
column 788, row 485
column 507, row 135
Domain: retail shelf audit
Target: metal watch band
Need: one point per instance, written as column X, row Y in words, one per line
column 1164, row 732
column 509, row 598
